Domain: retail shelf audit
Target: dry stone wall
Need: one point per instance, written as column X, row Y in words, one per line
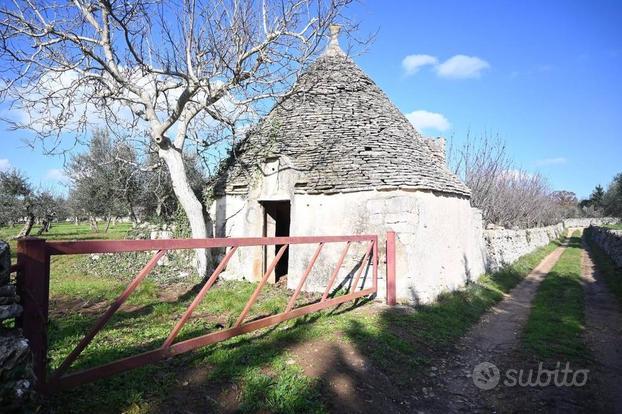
column 589, row 221
column 16, row 376
column 607, row 239
column 505, row 246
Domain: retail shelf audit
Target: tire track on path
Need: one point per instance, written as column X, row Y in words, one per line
column 494, row 336
column 603, row 334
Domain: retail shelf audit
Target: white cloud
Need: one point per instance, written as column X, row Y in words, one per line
column 5, row 164
column 456, row 67
column 413, row 63
column 428, row 120
column 57, row 174
column 462, row 67
column 551, row 161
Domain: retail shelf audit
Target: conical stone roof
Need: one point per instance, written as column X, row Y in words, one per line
column 343, row 134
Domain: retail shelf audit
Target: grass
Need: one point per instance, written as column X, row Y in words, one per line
column 617, row 226
column 556, row 322
column 65, row 231
column 400, row 341
column 612, row 274
column 256, row 363
column 403, row 341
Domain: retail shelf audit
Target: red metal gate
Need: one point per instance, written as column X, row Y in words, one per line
column 33, row 276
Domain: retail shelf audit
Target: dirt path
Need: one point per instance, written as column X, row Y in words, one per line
column 603, row 320
column 353, row 384
column 496, row 335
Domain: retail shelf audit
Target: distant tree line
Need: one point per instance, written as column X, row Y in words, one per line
column 605, row 203
column 110, row 179
column 21, row 203
column 107, row 181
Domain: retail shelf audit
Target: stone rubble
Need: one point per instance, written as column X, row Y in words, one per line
column 16, row 376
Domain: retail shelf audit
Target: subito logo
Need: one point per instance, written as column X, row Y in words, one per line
column 486, row 376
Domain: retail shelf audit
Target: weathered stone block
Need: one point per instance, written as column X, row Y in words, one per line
column 8, row 290
column 16, row 376
column 5, row 262
column 10, row 311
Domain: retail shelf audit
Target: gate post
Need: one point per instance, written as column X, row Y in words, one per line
column 391, row 299
column 33, row 280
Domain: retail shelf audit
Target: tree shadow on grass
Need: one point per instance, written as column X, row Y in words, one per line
column 245, row 364
column 252, row 373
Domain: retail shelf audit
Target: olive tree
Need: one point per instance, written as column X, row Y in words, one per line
column 163, row 71
column 104, row 182
column 612, row 199
column 16, row 203
column 19, row 201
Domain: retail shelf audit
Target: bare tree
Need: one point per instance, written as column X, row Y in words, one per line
column 507, row 195
column 165, row 70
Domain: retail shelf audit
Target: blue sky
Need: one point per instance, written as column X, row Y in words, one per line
column 552, row 88
column 545, row 75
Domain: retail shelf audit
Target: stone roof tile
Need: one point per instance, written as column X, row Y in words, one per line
column 341, row 130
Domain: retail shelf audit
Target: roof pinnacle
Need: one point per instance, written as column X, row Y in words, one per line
column 333, row 48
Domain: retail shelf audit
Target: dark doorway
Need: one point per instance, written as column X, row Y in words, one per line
column 276, row 224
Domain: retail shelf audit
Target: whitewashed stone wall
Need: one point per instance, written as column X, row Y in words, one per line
column 505, row 246
column 438, row 238
column 439, row 244
column 243, row 215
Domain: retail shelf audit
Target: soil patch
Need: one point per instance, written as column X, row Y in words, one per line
column 348, row 381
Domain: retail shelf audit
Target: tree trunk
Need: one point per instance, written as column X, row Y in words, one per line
column 30, row 221
column 108, row 224
column 93, row 222
column 189, row 202
column 160, row 204
column 45, row 226
column 130, row 206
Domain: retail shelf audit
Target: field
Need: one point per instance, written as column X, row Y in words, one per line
column 268, row 370
column 66, row 231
